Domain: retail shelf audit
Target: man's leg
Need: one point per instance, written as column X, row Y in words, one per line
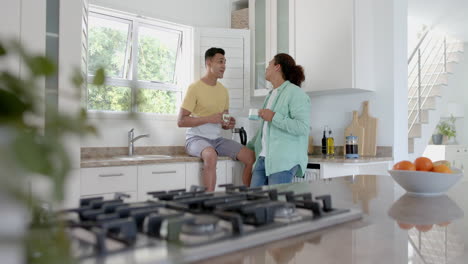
column 236, row 151
column 247, row 157
column 203, row 148
column 210, row 158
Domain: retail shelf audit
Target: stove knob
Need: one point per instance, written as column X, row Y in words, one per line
column 326, row 200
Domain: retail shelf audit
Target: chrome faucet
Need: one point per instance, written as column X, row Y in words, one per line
column 131, row 139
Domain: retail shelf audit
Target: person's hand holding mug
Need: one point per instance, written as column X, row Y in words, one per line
column 229, row 122
column 253, row 114
column 266, row 114
column 216, row 118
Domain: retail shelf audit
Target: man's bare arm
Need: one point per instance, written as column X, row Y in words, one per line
column 185, row 120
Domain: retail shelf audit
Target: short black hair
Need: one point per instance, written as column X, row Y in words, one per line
column 211, row 52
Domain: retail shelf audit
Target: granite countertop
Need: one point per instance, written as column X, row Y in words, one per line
column 377, row 237
column 103, row 157
column 342, row 159
column 109, row 161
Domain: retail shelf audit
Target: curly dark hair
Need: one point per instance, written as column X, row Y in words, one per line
column 291, row 71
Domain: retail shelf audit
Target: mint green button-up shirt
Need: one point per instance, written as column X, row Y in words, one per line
column 287, row 134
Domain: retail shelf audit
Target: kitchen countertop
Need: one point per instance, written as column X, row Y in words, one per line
column 342, row 159
column 109, row 161
column 376, row 238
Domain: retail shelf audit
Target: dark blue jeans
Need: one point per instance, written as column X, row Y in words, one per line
column 260, row 178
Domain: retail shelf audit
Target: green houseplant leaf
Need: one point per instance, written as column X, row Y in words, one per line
column 2, row 50
column 447, row 128
column 35, row 148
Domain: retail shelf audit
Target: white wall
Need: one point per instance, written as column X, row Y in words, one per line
column 70, row 28
column 199, row 13
column 23, row 21
column 415, row 28
column 458, row 93
column 448, row 15
column 113, row 132
column 10, row 25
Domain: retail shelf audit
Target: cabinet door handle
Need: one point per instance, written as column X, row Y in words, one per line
column 111, row 175
column 163, row 172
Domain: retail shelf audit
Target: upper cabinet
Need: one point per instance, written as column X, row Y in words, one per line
column 331, row 39
column 272, row 33
column 334, row 44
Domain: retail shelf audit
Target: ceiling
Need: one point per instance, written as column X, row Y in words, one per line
column 450, row 16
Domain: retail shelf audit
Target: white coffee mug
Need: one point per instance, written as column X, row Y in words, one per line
column 226, row 118
column 253, row 114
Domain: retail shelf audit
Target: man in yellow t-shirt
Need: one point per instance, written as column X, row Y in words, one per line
column 204, row 105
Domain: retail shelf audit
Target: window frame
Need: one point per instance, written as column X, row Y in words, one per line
column 183, row 73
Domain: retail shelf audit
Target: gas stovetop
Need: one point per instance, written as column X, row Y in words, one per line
column 182, row 226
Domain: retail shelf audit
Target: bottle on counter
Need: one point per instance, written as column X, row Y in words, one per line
column 324, row 141
column 310, row 147
column 330, row 144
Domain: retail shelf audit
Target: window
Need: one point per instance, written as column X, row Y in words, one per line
column 143, row 62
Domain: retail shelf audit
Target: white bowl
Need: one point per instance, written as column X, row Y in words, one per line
column 426, row 183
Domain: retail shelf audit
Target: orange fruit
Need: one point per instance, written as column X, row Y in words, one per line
column 404, row 165
column 444, row 223
column 445, row 162
column 442, row 168
column 405, row 226
column 423, row 164
column 423, row 228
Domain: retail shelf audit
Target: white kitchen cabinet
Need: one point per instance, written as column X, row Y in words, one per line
column 457, row 155
column 160, row 177
column 333, row 42
column 332, row 170
column 137, row 181
column 194, row 174
column 108, row 180
column 272, row 32
column 234, row 171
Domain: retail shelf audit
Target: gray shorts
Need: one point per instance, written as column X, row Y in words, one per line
column 224, row 147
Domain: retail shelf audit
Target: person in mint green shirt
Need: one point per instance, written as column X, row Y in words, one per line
column 280, row 144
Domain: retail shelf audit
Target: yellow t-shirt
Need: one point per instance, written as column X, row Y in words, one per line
column 202, row 99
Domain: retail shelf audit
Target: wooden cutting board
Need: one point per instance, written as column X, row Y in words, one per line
column 370, row 131
column 355, row 129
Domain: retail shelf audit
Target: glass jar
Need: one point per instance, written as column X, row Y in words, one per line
column 351, row 147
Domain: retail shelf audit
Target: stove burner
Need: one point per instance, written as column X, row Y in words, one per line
column 200, row 225
column 192, row 218
column 285, row 212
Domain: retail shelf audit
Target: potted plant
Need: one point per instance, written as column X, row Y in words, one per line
column 32, row 147
column 445, row 129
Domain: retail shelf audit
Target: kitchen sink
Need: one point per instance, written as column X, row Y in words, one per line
column 142, row 157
